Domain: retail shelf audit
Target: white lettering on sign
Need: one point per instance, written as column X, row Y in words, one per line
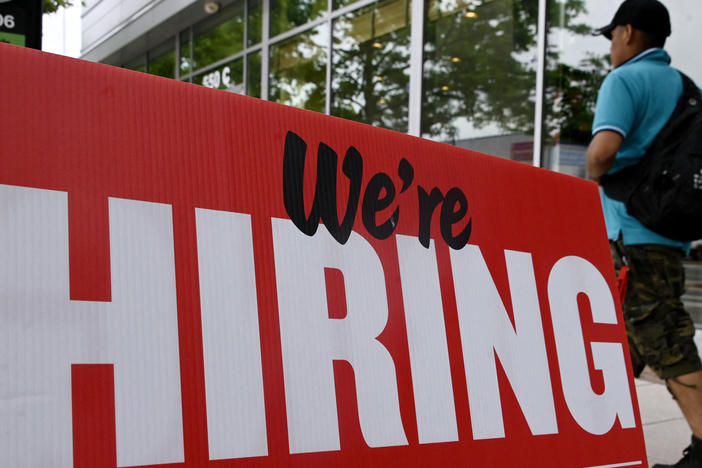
column 426, row 337
column 44, row 332
column 595, row 413
column 223, row 79
column 212, row 79
column 226, row 79
column 236, row 415
column 7, row 21
column 486, row 331
column 311, row 341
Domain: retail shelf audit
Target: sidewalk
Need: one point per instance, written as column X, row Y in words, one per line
column 665, row 430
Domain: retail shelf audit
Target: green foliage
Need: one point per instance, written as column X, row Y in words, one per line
column 479, row 64
column 51, row 6
column 572, row 94
column 221, row 41
column 164, row 65
column 298, row 71
column 288, row 14
column 571, row 90
column 370, row 81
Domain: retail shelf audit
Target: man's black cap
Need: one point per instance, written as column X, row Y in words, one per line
column 650, row 16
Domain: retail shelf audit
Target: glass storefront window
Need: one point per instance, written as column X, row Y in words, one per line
column 479, row 75
column 229, row 77
column 288, row 14
column 219, row 37
column 137, row 64
column 162, row 60
column 576, row 64
column 342, row 3
column 255, row 21
column 370, row 74
column 298, row 69
column 253, row 78
column 185, row 66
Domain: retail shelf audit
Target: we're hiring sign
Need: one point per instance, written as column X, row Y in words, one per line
column 192, row 278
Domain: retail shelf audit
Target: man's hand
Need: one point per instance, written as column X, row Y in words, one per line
column 601, row 153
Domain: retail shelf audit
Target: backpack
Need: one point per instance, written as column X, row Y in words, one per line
column 664, row 190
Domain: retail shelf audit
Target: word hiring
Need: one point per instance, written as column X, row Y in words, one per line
column 137, row 332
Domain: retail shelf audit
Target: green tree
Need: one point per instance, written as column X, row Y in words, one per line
column 370, row 81
column 571, row 90
column 570, row 97
column 298, row 71
column 480, row 64
column 51, row 6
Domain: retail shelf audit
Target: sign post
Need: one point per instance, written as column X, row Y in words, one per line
column 202, row 279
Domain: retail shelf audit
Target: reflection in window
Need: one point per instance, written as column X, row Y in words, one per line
column 480, row 62
column 219, row 36
column 229, row 77
column 253, row 79
column 575, row 67
column 288, row 14
column 342, row 3
column 371, row 65
column 137, row 64
column 186, row 60
column 162, row 60
column 298, row 70
column 254, row 22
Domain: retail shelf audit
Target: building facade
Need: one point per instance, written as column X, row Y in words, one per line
column 513, row 78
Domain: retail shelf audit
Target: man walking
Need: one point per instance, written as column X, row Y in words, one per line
column 634, row 103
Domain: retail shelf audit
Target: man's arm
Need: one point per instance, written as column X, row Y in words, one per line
column 601, row 153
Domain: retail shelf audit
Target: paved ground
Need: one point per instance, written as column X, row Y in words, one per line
column 665, row 429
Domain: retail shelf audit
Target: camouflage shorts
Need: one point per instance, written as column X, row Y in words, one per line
column 659, row 329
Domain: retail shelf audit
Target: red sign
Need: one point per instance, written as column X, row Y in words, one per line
column 193, row 278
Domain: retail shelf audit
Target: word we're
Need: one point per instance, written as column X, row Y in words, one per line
column 378, row 196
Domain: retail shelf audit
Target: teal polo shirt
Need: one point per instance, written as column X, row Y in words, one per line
column 636, row 100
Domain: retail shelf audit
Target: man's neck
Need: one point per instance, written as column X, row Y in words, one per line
column 636, row 52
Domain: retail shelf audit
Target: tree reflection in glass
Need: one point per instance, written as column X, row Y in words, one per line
column 137, row 64
column 575, row 67
column 253, row 75
column 342, row 3
column 289, row 14
column 186, row 62
column 254, row 23
column 162, row 60
column 479, row 68
column 218, row 37
column 370, row 77
column 298, row 69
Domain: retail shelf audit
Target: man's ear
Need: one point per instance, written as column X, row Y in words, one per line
column 628, row 33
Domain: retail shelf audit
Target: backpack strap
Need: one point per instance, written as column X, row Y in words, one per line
column 622, row 183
